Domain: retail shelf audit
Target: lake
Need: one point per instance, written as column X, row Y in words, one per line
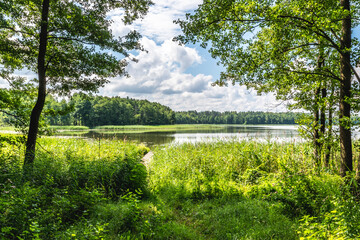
column 222, row 132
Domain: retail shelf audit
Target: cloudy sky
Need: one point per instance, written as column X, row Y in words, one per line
column 178, row 76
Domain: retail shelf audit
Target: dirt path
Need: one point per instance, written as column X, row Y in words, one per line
column 147, row 158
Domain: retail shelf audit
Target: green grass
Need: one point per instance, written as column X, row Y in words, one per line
column 69, row 128
column 139, row 128
column 211, row 169
column 69, row 177
column 7, row 128
column 251, row 190
column 110, row 129
column 98, row 189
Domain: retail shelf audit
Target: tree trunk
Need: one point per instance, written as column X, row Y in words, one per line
column 328, row 150
column 357, row 177
column 316, row 129
column 36, row 112
column 345, row 93
column 322, row 113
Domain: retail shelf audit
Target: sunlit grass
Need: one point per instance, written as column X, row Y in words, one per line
column 7, row 128
column 98, row 189
column 126, row 128
column 218, row 167
column 69, row 128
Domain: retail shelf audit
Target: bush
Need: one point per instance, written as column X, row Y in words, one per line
column 13, row 139
column 69, row 177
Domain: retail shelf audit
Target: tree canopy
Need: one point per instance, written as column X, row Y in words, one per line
column 67, row 43
column 94, row 111
column 292, row 48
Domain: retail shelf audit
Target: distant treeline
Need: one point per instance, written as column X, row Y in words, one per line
column 94, row 111
column 98, row 111
column 212, row 117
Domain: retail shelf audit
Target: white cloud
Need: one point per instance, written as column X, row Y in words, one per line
column 161, row 74
column 161, row 70
column 158, row 23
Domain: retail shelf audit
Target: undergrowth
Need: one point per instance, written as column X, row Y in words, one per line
column 69, row 177
column 98, row 189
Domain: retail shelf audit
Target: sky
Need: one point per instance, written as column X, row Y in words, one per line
column 177, row 76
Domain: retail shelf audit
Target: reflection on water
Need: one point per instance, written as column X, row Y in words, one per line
column 268, row 133
column 148, row 138
column 230, row 132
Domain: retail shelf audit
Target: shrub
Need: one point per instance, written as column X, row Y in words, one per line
column 69, row 177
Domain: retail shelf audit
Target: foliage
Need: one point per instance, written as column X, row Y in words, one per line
column 213, row 180
column 302, row 194
column 340, row 223
column 86, row 189
column 11, row 139
column 332, row 227
column 207, row 117
column 74, row 28
column 94, row 111
column 16, row 103
column 68, row 44
column 216, row 169
column 70, row 177
column 303, row 51
column 90, row 111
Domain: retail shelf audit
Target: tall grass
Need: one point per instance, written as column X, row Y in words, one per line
column 278, row 181
column 210, row 169
column 98, row 189
column 69, row 177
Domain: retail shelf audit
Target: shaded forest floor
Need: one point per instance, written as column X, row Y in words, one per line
column 80, row 189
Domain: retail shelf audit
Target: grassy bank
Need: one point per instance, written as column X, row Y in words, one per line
column 69, row 128
column 82, row 189
column 7, row 129
column 110, row 129
column 125, row 128
column 159, row 128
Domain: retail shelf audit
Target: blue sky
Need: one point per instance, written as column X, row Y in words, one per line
column 178, row 76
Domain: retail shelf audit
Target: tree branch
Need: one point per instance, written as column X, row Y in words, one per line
column 16, row 31
column 13, row 115
column 70, row 39
column 311, row 73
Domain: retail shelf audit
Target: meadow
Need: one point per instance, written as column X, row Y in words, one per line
column 92, row 189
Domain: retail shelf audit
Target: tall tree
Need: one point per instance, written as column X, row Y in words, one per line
column 345, row 89
column 68, row 43
column 275, row 45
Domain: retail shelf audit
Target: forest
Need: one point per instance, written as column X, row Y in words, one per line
column 94, row 111
column 213, row 117
column 99, row 111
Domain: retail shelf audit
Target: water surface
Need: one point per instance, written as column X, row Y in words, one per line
column 224, row 133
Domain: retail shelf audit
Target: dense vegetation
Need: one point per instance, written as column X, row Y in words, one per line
column 86, row 189
column 212, row 117
column 303, row 51
column 69, row 45
column 69, row 178
column 94, row 111
column 98, row 111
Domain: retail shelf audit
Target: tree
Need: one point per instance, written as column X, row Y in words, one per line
column 67, row 43
column 279, row 45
